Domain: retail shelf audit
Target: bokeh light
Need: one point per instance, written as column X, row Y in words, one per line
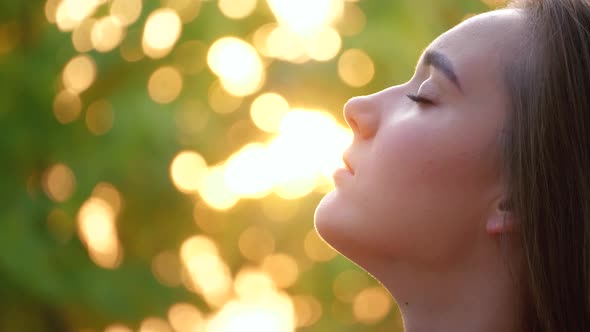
column 308, row 310
column 99, row 117
column 188, row 145
column 256, row 242
column 162, row 30
column 67, row 107
column 59, row 183
column 165, row 85
column 97, row 230
column 372, row 304
column 268, row 110
column 107, row 33
column 355, row 68
column 188, row 170
column 155, row 324
column 79, row 73
column 185, row 317
column 237, row 64
column 126, row 11
column 236, row 9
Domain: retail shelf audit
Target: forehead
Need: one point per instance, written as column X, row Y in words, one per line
column 479, row 46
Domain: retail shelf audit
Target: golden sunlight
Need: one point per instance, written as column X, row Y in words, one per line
column 237, row 64
column 126, row 11
column 187, row 171
column 67, row 107
column 162, row 30
column 59, row 183
column 356, row 68
column 306, row 17
column 165, row 85
column 107, row 33
column 96, row 229
column 79, row 73
column 267, row 111
column 237, row 9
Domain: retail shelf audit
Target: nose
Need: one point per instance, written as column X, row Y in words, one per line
column 362, row 115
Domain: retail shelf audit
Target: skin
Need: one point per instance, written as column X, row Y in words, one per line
column 422, row 209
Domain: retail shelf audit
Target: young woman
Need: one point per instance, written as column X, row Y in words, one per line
column 467, row 189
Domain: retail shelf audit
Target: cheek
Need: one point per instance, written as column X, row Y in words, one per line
column 430, row 182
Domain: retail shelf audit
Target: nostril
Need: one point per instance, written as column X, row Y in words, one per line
column 360, row 116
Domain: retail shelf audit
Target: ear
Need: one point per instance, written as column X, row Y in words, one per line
column 501, row 220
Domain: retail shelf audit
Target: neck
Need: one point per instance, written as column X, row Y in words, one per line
column 475, row 294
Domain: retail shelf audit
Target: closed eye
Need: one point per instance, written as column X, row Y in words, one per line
column 420, row 99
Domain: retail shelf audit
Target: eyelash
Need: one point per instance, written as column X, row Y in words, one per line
column 419, row 99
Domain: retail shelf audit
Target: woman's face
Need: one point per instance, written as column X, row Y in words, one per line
column 427, row 172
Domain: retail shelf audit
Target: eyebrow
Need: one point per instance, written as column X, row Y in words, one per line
column 442, row 63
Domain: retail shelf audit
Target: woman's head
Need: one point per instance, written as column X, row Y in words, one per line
column 496, row 142
column 427, row 168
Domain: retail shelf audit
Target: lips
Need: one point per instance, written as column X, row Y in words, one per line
column 347, row 164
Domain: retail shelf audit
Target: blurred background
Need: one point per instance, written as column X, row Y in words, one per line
column 162, row 160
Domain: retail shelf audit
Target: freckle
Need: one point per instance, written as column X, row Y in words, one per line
column 406, row 303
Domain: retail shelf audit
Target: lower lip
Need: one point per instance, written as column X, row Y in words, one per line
column 341, row 174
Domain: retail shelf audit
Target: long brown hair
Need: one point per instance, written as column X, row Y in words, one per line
column 547, row 160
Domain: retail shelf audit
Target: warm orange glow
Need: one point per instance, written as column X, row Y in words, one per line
column 109, row 194
column 215, row 192
column 282, row 268
column 279, row 210
column 99, row 117
column 372, row 305
column 284, row 44
column 221, row 101
column 251, row 284
column 59, row 183
column 107, row 33
column 51, row 10
column 267, row 111
column 79, row 73
column 154, row 324
column 185, row 317
column 325, row 45
column 269, row 312
column 81, row 36
column 353, row 20
column 209, row 274
column 126, row 11
column 96, row 229
column 306, row 17
column 317, row 249
column 237, row 9
column 67, row 107
column 69, row 13
column 355, row 68
column 237, row 64
column 308, row 310
column 165, row 85
column 247, row 172
column 188, row 170
column 256, row 242
column 161, row 32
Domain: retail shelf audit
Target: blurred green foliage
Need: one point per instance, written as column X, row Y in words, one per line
column 47, row 280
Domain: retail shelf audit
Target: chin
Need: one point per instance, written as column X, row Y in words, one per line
column 335, row 224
